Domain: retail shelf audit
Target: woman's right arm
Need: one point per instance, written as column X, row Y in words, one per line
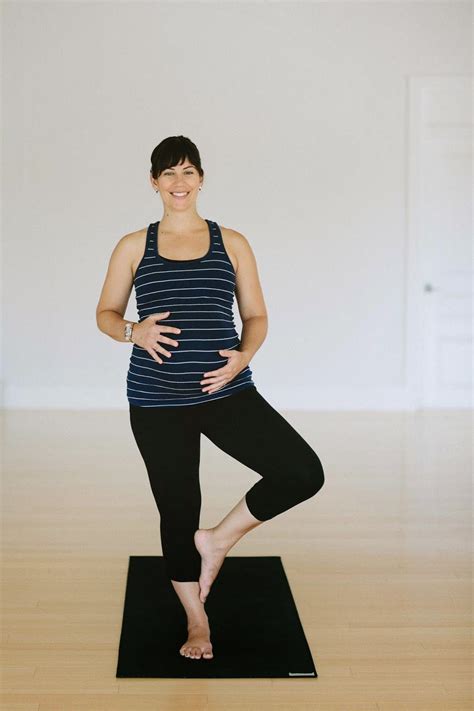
column 116, row 290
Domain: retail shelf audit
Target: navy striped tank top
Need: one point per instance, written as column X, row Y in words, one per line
column 199, row 294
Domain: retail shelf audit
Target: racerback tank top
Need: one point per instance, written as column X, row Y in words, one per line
column 199, row 294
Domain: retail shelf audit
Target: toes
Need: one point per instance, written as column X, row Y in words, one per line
column 190, row 652
column 195, row 653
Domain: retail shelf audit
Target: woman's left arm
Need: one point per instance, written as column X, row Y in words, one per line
column 249, row 295
column 253, row 314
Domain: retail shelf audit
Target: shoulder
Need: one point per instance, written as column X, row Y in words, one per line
column 237, row 244
column 133, row 239
column 235, row 238
column 129, row 249
column 130, row 241
column 133, row 244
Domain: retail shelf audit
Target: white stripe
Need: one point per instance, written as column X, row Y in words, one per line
column 192, row 269
column 188, row 372
column 188, row 397
column 183, row 362
column 182, row 288
column 211, row 269
column 224, row 318
column 204, row 261
column 178, row 335
column 165, row 387
column 224, row 315
column 217, row 338
column 148, row 358
column 220, row 306
column 186, row 279
column 229, row 314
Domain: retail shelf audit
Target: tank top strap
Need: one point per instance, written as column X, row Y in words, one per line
column 217, row 244
column 151, row 238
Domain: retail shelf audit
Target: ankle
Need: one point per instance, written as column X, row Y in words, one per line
column 223, row 541
column 201, row 621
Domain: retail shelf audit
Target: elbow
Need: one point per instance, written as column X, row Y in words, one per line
column 98, row 319
column 264, row 317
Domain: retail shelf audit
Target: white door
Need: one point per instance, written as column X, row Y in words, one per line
column 440, row 267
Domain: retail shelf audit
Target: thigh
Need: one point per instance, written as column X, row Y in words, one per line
column 169, row 441
column 251, row 430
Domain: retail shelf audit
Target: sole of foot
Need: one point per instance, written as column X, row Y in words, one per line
column 212, row 557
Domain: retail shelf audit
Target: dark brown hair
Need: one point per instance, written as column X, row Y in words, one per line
column 173, row 151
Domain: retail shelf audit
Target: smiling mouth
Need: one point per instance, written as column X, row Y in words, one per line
column 180, row 197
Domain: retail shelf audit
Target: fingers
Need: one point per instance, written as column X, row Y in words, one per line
column 154, row 355
column 215, row 383
column 159, row 349
column 158, row 336
column 221, row 375
column 161, row 314
column 168, row 340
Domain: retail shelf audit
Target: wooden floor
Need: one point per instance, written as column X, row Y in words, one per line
column 378, row 562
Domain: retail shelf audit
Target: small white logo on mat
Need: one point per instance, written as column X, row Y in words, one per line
column 301, row 673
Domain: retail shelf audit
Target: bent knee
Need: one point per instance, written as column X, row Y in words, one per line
column 312, row 477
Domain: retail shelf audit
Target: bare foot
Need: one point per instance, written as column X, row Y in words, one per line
column 212, row 556
column 198, row 643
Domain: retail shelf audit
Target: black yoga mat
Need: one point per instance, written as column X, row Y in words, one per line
column 255, row 628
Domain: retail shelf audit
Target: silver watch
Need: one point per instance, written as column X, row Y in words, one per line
column 128, row 331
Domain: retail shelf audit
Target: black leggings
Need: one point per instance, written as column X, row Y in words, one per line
column 243, row 425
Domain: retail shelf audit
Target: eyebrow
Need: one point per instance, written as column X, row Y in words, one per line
column 185, row 167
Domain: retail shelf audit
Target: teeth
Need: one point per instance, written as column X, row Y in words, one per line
column 179, row 194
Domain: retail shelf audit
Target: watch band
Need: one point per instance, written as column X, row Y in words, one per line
column 128, row 330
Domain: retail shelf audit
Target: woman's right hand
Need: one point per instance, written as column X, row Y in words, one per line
column 148, row 332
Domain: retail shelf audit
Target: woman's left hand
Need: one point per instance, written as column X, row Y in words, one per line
column 216, row 379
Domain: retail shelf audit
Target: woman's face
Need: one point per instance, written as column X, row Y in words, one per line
column 182, row 178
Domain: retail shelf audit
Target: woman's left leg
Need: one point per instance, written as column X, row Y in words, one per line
column 248, row 428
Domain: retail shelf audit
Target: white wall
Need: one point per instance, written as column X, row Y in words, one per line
column 299, row 112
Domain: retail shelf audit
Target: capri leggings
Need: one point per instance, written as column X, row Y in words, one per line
column 245, row 426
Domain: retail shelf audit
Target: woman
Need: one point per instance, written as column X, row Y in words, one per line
column 189, row 374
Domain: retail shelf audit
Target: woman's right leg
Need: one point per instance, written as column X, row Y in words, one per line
column 169, row 441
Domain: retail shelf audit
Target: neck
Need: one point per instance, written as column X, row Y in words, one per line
column 179, row 222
